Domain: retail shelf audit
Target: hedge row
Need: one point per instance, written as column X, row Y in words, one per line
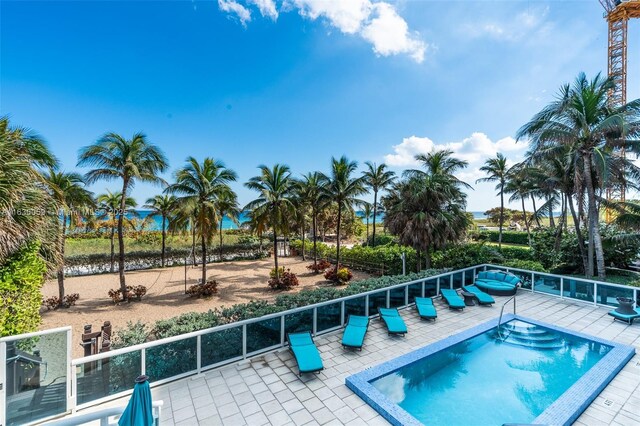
column 509, row 237
column 101, row 263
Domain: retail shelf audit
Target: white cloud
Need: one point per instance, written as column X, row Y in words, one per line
column 376, row 22
column 235, row 8
column 510, row 28
column 406, row 151
column 267, row 8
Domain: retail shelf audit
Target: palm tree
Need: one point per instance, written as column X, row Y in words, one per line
column 227, row 206
column 201, row 185
column 582, row 120
column 378, row 179
column 163, row 206
column 70, row 195
column 518, row 185
column 497, row 171
column 114, row 157
column 311, row 189
column 110, row 203
column 274, row 204
column 343, row 190
column 367, row 211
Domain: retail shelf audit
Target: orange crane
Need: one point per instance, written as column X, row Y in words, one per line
column 617, row 14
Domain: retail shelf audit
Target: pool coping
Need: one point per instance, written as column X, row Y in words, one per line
column 564, row 411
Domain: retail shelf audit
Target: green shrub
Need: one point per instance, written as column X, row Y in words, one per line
column 530, row 265
column 21, row 278
column 516, row 253
column 509, row 237
column 381, row 240
column 464, row 255
column 286, row 280
column 133, row 334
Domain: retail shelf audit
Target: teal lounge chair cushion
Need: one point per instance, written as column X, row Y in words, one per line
column 355, row 331
column 393, row 320
column 425, row 308
column 453, row 299
column 483, row 298
column 626, row 317
column 305, row 352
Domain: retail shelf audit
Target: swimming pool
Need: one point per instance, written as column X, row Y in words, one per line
column 528, row 372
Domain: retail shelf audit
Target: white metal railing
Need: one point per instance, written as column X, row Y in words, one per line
column 397, row 295
column 107, row 416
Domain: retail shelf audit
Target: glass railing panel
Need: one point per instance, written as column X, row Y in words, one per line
column 415, row 290
column 525, row 278
column 328, row 316
column 396, row 297
column 108, row 376
column 431, row 287
column 171, row 359
column 263, row 334
column 607, row 295
column 577, row 289
column 355, row 306
column 36, row 374
column 377, row 300
column 547, row 284
column 469, row 276
column 221, row 346
column 299, row 321
column 457, row 280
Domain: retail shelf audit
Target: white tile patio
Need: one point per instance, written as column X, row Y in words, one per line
column 266, row 390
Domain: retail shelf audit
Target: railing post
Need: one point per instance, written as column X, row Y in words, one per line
column 366, row 305
column 315, row 321
column 388, row 299
column 199, row 354
column 635, row 296
column 464, row 277
column 533, row 282
column 561, row 288
column 143, row 361
column 595, row 294
column 343, row 311
column 71, row 391
column 451, row 281
column 282, row 331
column 437, row 286
column 244, row 341
column 406, row 295
column 3, row 383
column 424, row 283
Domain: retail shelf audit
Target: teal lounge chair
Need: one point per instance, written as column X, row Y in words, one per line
column 452, row 298
column 305, row 352
column 355, row 331
column 425, row 308
column 628, row 318
column 483, row 298
column 393, row 320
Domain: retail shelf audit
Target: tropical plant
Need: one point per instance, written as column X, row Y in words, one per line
column 367, row 211
column 70, row 195
column 110, row 204
column 200, row 186
column 343, row 189
column 519, row 186
column 163, row 206
column 227, row 206
column 311, row 189
column 274, row 204
column 497, row 170
column 113, row 157
column 377, row 178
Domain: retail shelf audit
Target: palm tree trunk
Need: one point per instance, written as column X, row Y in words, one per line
column 552, row 222
column 164, row 237
column 418, row 260
column 338, row 237
column 576, row 224
column 203, row 244
column 535, row 211
column 526, row 222
column 275, row 252
column 368, row 228
column 113, row 256
column 595, row 239
column 315, row 237
column 61, row 267
column 220, row 245
column 501, row 214
column 375, row 210
column 427, row 255
column 303, row 235
column 123, row 284
column 193, row 242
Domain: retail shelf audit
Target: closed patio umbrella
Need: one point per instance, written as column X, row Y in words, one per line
column 139, row 411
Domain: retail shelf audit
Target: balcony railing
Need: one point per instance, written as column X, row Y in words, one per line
column 98, row 378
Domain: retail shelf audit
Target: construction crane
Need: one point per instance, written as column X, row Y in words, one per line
column 617, row 14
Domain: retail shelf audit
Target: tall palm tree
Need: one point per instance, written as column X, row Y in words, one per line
column 201, row 185
column 70, row 195
column 163, row 206
column 497, row 171
column 367, row 211
column 113, row 157
column 110, row 204
column 274, row 203
column 227, row 206
column 519, row 187
column 582, row 120
column 343, row 189
column 311, row 188
column 378, row 178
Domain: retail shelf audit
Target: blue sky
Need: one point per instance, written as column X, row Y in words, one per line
column 253, row 81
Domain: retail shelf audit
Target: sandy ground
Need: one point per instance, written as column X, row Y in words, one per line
column 238, row 282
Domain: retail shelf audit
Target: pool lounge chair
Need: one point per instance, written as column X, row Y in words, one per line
column 425, row 308
column 305, row 352
column 452, row 298
column 482, row 297
column 355, row 331
column 628, row 318
column 393, row 320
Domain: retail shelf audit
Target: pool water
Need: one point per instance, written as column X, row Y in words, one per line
column 510, row 376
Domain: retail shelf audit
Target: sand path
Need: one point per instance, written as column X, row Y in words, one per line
column 239, row 282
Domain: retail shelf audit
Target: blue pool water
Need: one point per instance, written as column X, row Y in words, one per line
column 492, row 379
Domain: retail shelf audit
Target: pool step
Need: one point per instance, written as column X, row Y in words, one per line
column 528, row 335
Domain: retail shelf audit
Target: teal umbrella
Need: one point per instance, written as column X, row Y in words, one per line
column 139, row 411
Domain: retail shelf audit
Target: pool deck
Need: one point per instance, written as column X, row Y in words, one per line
column 266, row 390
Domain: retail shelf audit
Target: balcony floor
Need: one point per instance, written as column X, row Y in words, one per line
column 267, row 390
